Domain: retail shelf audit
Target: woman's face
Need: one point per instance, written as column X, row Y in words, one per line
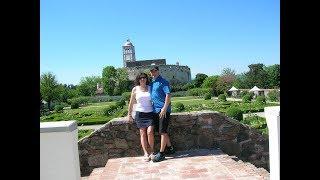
column 143, row 80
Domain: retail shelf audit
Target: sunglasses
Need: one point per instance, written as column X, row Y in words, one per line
column 142, row 77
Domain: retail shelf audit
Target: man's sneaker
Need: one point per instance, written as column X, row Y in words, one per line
column 169, row 150
column 158, row 157
column 152, row 155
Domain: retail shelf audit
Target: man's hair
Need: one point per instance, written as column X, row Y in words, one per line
column 137, row 82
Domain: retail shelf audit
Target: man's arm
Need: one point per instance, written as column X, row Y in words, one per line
column 167, row 101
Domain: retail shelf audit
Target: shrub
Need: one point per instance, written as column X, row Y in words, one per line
column 80, row 100
column 199, row 91
column 126, row 96
column 58, row 108
column 243, row 93
column 257, row 122
column 179, row 94
column 123, row 112
column 207, row 96
column 75, row 105
column 274, row 95
column 108, row 111
column 235, row 113
column 247, row 98
column 261, row 100
column 222, row 98
column 120, row 103
column 179, row 106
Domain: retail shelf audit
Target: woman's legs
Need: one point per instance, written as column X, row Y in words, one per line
column 151, row 138
column 143, row 139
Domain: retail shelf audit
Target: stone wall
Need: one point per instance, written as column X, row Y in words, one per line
column 193, row 130
column 173, row 73
column 146, row 62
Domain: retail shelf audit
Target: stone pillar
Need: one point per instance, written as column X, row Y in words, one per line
column 272, row 115
column 59, row 157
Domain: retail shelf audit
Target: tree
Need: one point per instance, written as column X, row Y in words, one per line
column 122, row 81
column 240, row 81
column 224, row 83
column 67, row 92
column 211, row 82
column 88, row 85
column 109, row 79
column 257, row 76
column 49, row 87
column 273, row 72
column 199, row 79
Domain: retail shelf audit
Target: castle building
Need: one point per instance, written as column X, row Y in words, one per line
column 174, row 73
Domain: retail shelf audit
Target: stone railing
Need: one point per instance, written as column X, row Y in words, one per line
column 193, row 130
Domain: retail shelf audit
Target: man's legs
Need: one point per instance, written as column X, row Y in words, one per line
column 165, row 140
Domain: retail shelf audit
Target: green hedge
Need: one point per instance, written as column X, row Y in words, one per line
column 222, row 98
column 179, row 94
column 207, row 96
column 199, row 91
column 274, row 95
column 179, row 107
column 126, row 96
column 235, row 113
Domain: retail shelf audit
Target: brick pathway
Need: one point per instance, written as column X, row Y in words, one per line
column 196, row 164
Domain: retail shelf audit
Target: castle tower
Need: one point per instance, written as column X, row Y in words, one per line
column 129, row 54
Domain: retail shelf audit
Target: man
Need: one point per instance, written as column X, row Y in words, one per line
column 160, row 96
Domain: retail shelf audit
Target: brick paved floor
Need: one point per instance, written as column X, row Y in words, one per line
column 195, row 164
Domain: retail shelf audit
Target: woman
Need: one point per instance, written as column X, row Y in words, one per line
column 144, row 113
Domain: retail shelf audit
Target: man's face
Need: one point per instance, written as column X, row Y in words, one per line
column 154, row 72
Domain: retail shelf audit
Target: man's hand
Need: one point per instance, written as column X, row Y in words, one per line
column 162, row 113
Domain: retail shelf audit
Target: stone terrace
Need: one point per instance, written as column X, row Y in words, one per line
column 195, row 164
column 118, row 142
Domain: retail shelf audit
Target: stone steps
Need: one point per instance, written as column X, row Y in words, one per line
column 196, row 164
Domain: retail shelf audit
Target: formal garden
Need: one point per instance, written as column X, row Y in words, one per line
column 89, row 111
column 61, row 102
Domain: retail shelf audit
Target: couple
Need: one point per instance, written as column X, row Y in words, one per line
column 152, row 113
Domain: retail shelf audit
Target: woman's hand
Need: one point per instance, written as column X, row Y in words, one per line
column 130, row 119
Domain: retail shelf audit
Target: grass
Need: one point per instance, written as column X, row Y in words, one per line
column 84, row 132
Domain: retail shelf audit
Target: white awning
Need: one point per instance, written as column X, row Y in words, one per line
column 255, row 88
column 233, row 89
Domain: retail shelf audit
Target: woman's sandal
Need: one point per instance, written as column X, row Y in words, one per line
column 146, row 158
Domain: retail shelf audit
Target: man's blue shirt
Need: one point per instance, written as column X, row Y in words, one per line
column 159, row 89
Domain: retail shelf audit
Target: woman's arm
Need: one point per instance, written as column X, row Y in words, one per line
column 131, row 102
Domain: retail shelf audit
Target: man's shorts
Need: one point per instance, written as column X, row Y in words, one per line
column 161, row 125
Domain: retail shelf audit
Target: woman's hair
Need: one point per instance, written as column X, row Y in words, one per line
column 136, row 81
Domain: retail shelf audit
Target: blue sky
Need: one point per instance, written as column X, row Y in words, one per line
column 80, row 37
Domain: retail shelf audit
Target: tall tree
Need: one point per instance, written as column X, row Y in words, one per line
column 211, row 82
column 49, row 87
column 122, row 81
column 199, row 79
column 273, row 72
column 88, row 85
column 240, row 81
column 257, row 76
column 109, row 79
column 226, row 80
